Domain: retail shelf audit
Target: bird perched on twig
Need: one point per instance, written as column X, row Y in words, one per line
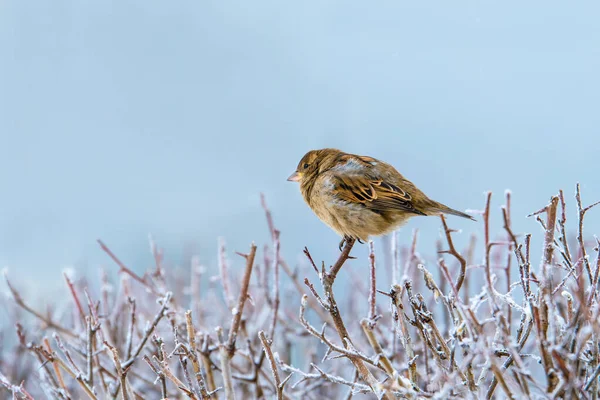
column 360, row 196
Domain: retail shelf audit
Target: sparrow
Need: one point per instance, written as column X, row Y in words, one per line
column 360, row 196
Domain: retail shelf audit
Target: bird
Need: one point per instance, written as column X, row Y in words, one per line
column 361, row 196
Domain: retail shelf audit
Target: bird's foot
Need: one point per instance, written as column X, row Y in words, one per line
column 343, row 242
column 346, row 239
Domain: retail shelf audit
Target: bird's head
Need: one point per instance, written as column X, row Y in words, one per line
column 313, row 163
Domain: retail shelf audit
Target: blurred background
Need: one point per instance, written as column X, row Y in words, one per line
column 124, row 118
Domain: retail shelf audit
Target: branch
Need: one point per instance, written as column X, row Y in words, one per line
column 267, row 349
column 373, row 286
column 456, row 254
column 238, row 311
column 327, row 280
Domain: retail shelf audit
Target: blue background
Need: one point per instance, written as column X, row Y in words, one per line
column 123, row 118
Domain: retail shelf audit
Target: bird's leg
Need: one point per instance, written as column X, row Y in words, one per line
column 343, row 242
column 347, row 238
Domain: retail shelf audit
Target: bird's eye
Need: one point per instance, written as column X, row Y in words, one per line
column 305, row 166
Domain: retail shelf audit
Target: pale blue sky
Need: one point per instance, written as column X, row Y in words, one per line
column 120, row 118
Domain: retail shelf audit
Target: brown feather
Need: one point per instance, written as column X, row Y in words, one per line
column 373, row 194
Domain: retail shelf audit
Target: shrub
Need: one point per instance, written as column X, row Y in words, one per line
column 529, row 332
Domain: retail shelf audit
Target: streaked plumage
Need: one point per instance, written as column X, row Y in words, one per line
column 360, row 196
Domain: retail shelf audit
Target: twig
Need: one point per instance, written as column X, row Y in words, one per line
column 206, row 362
column 275, row 294
column 90, row 342
column 121, row 372
column 19, row 300
column 148, row 332
column 359, row 388
column 160, row 358
column 452, row 250
column 346, row 351
column 16, row 390
column 129, row 342
column 225, row 366
column 344, row 256
column 239, row 310
column 128, row 271
column 395, row 294
column 373, row 285
column 542, row 313
column 581, row 213
column 192, row 354
column 75, row 297
column 267, row 349
column 384, row 360
column 327, row 281
column 224, row 272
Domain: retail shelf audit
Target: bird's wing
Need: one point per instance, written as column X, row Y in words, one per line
column 373, row 193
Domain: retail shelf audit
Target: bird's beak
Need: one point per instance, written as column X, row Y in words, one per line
column 295, row 177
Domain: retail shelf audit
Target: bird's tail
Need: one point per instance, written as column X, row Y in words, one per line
column 440, row 208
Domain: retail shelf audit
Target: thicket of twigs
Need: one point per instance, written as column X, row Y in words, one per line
column 260, row 329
